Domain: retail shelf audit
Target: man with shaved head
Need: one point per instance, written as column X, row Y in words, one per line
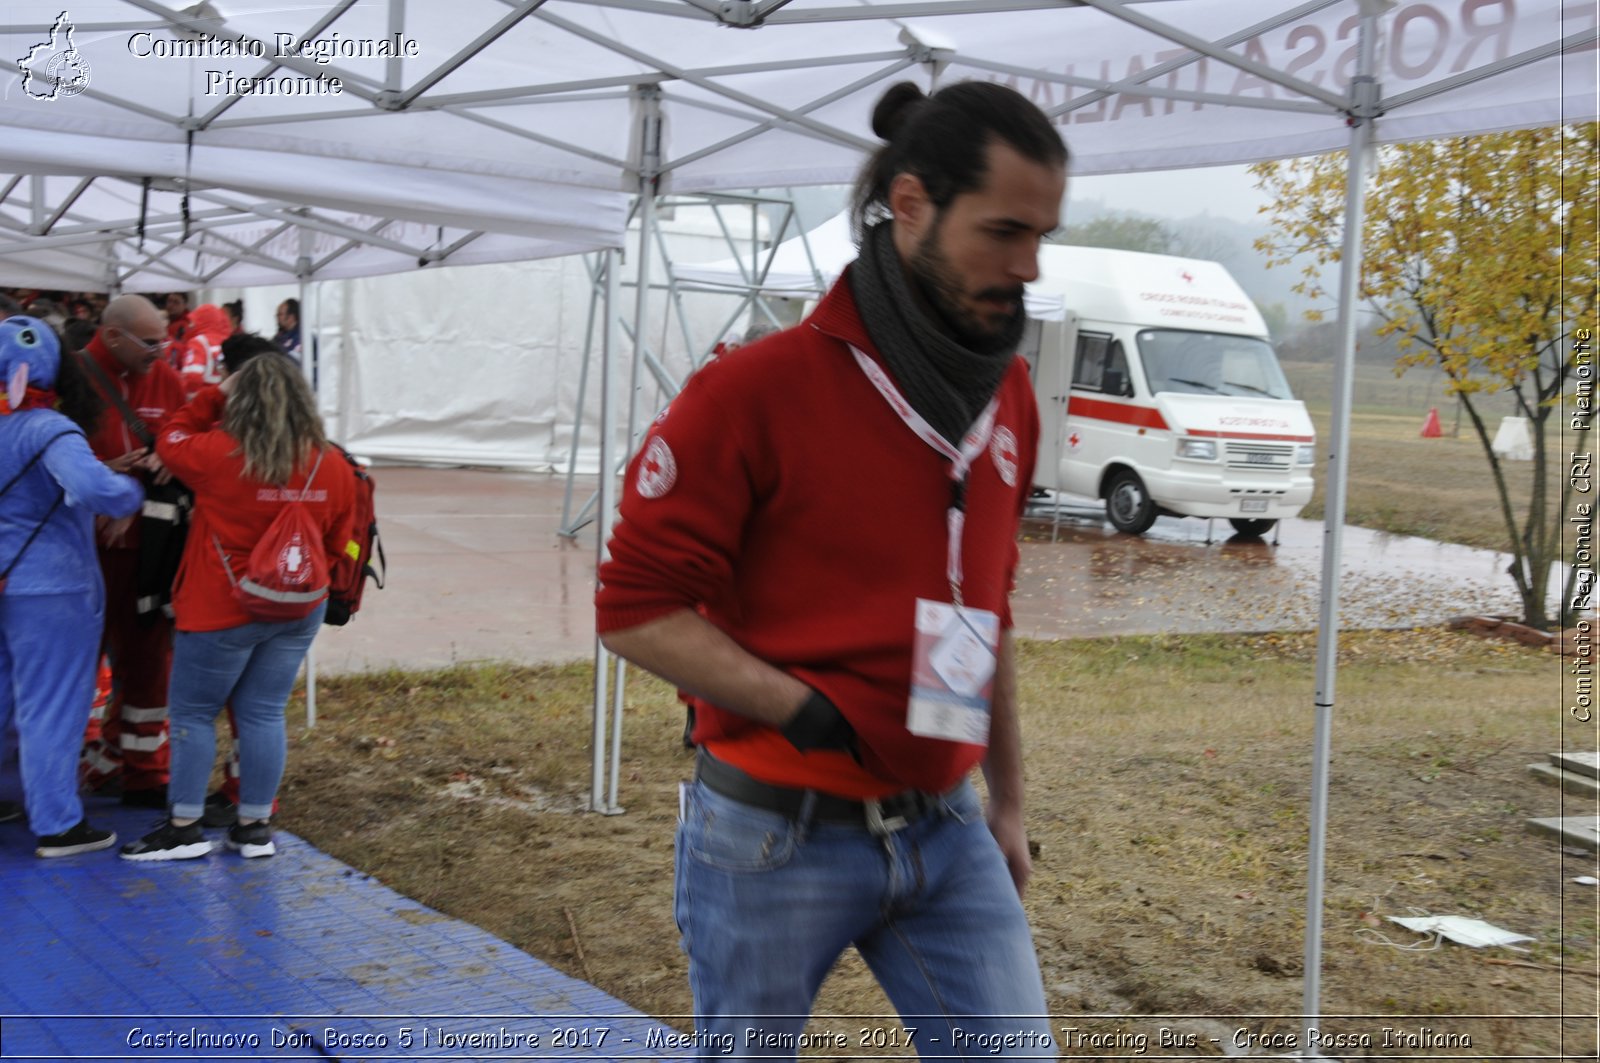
column 128, row 362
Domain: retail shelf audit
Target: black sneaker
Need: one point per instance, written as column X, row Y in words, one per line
column 219, row 811
column 154, row 797
column 167, row 842
column 80, row 839
column 10, row 811
column 251, row 839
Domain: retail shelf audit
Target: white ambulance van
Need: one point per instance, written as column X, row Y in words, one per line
column 1159, row 392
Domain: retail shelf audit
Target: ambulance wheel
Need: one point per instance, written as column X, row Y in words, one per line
column 1129, row 506
column 1254, row 527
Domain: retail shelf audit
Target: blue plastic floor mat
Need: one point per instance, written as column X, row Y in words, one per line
column 293, row 957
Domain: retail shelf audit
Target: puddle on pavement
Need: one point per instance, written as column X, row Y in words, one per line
column 480, row 572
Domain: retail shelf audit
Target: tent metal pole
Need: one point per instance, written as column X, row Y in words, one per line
column 607, row 493
column 36, row 205
column 675, row 298
column 619, row 686
column 113, row 274
column 1363, row 110
column 649, row 97
column 592, row 266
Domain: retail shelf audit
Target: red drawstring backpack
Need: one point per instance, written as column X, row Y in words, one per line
column 286, row 575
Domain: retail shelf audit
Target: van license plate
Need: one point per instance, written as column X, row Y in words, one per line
column 1252, row 505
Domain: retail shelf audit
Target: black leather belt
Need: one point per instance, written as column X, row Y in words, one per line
column 884, row 815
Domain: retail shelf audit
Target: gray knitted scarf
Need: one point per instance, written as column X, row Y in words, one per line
column 947, row 383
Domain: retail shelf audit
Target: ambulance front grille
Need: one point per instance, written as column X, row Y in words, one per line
column 1262, row 456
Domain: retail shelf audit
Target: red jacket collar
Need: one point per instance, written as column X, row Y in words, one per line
column 837, row 315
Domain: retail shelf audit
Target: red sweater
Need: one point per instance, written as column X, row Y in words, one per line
column 237, row 510
column 781, row 493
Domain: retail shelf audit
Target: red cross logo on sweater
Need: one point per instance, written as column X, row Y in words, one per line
column 658, row 470
column 1003, row 449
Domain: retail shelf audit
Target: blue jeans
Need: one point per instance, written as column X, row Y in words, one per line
column 253, row 667
column 766, row 904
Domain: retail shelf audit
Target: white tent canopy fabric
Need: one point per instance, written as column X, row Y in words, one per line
column 492, row 103
column 102, row 233
column 394, row 133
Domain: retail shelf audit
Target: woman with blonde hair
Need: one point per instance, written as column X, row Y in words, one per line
column 248, row 448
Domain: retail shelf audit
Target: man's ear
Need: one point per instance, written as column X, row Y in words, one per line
column 909, row 202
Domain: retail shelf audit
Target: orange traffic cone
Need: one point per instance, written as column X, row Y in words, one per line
column 1430, row 426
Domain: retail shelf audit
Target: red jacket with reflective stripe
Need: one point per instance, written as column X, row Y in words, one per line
column 155, row 396
column 198, row 355
column 237, row 510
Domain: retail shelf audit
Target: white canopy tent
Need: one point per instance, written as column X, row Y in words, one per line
column 490, row 105
column 480, row 115
column 803, row 266
column 116, row 233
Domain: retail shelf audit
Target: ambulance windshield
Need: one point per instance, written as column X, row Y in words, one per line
column 1210, row 363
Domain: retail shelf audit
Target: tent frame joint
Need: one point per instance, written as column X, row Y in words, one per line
column 1365, row 100
column 740, row 14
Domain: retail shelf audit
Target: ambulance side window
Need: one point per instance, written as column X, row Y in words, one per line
column 1101, row 365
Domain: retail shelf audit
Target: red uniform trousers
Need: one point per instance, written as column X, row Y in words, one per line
column 133, row 737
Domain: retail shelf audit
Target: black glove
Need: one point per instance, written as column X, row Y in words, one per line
column 819, row 725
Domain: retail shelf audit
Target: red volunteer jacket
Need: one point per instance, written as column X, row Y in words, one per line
column 781, row 493
column 197, row 356
column 237, row 510
column 154, row 397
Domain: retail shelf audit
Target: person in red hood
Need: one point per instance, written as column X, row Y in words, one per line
column 198, row 355
column 177, row 306
column 126, row 360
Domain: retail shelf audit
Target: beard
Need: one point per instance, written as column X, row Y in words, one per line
column 943, row 293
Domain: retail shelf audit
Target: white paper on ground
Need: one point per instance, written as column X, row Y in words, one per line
column 1471, row 932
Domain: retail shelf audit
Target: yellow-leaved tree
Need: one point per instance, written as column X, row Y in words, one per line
column 1479, row 256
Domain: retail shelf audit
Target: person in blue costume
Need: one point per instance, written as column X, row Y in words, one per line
column 52, row 599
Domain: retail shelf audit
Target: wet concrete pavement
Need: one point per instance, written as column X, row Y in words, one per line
column 479, row 572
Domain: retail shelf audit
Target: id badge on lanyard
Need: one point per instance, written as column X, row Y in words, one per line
column 955, row 649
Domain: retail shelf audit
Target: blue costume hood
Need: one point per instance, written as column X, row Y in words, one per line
column 29, row 341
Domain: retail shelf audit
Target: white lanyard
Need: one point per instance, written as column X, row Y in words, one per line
column 961, row 459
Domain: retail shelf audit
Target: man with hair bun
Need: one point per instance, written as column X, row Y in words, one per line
column 817, row 541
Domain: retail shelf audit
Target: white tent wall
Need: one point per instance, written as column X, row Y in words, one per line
column 480, row 365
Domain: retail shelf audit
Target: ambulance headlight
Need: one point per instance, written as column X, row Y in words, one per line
column 1305, row 454
column 1198, row 449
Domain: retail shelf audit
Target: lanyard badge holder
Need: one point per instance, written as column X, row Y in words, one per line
column 955, row 649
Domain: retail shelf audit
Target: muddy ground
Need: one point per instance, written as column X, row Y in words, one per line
column 1168, row 784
